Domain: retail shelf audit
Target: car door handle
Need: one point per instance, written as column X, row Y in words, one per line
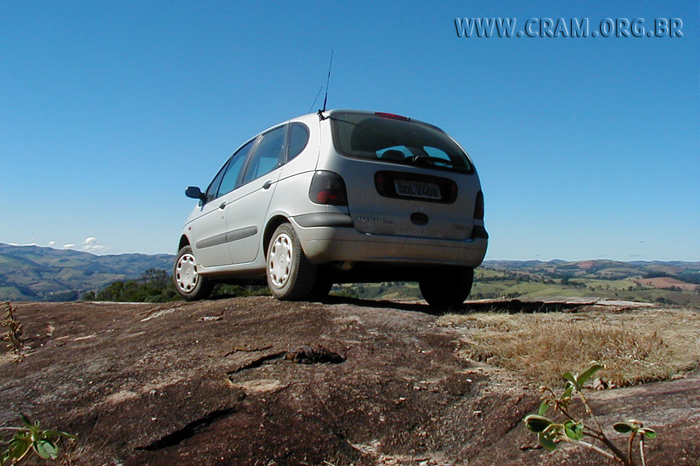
column 267, row 184
column 223, row 204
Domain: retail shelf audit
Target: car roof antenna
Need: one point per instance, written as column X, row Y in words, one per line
column 317, row 94
column 328, row 80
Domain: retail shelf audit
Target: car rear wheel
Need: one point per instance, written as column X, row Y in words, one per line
column 445, row 287
column 188, row 283
column 290, row 275
column 322, row 285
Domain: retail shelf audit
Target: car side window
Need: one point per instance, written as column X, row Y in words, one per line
column 229, row 181
column 268, row 155
column 298, row 138
column 216, row 182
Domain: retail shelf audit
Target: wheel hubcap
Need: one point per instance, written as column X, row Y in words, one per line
column 186, row 273
column 280, row 260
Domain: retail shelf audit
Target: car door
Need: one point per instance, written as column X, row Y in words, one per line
column 247, row 208
column 209, row 231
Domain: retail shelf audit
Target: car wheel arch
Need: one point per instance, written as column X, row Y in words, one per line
column 184, row 241
column 272, row 225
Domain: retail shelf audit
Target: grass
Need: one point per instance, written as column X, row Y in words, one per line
column 14, row 332
column 636, row 346
column 495, row 284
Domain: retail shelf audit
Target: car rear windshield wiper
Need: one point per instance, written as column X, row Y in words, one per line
column 431, row 161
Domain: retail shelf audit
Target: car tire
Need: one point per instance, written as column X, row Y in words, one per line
column 322, row 286
column 445, row 287
column 290, row 275
column 188, row 283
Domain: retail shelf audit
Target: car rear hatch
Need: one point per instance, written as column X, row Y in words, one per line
column 404, row 178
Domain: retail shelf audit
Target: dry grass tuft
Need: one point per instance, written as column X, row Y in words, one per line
column 14, row 332
column 635, row 346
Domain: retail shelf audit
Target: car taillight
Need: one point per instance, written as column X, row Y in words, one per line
column 328, row 188
column 479, row 206
column 382, row 184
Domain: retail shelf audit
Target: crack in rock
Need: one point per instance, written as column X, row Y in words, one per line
column 307, row 355
column 189, row 431
column 302, row 355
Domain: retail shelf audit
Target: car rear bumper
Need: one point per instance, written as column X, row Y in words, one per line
column 324, row 244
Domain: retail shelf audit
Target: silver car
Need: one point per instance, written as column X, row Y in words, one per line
column 336, row 197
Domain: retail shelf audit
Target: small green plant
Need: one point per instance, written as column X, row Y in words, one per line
column 31, row 438
column 14, row 332
column 573, row 430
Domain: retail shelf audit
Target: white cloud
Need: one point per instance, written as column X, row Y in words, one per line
column 92, row 244
column 52, row 244
column 89, row 244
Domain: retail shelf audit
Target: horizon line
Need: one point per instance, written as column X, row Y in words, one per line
column 105, row 253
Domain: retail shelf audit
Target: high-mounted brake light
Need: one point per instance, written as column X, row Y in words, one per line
column 392, row 116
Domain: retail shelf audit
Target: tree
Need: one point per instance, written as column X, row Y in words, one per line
column 156, row 279
column 153, row 286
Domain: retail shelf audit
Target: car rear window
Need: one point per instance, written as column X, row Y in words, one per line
column 396, row 140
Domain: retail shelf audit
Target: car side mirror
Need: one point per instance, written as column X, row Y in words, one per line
column 195, row 193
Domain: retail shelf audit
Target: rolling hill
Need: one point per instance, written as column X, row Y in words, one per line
column 675, row 283
column 33, row 273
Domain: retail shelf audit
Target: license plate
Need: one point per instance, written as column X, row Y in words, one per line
column 416, row 189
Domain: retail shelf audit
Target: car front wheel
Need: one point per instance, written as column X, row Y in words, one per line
column 188, row 283
column 290, row 275
column 445, row 287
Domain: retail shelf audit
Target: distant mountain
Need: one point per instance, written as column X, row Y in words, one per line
column 645, row 281
column 33, row 273
column 603, row 269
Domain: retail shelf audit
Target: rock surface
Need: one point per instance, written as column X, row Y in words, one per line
column 255, row 381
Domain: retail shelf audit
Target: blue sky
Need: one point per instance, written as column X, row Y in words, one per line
column 587, row 147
